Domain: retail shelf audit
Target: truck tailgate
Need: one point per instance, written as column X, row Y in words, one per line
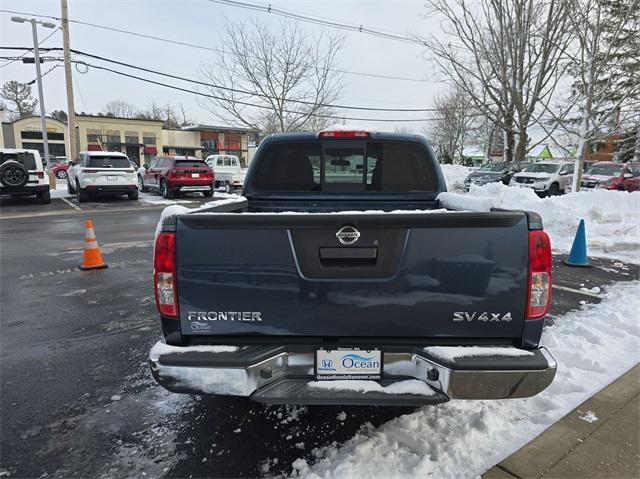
column 406, row 275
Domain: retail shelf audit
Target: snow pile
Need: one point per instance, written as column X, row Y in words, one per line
column 410, row 386
column 612, row 218
column 461, row 439
column 454, row 176
column 161, row 348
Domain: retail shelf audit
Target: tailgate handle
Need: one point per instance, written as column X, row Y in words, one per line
column 348, row 257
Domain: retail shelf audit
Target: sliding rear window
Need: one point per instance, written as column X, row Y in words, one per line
column 108, row 162
column 346, row 166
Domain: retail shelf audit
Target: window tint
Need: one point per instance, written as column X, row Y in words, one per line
column 108, row 162
column 289, row 167
column 26, row 158
column 189, row 164
column 398, row 166
column 348, row 167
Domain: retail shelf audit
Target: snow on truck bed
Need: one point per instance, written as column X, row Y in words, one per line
column 463, row 439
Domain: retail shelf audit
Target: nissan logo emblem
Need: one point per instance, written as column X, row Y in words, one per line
column 348, row 235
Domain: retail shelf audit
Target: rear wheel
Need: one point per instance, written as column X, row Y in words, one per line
column 208, row 194
column 167, row 192
column 554, row 190
column 227, row 187
column 81, row 194
column 133, row 195
column 44, row 197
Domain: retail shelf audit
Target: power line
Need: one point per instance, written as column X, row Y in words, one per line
column 30, row 49
column 319, row 21
column 239, row 102
column 203, row 47
column 235, row 90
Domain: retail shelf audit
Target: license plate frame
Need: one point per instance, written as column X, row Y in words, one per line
column 112, row 178
column 342, row 364
column 195, row 175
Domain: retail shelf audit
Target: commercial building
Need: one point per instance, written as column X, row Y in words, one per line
column 26, row 133
column 228, row 140
column 181, row 142
column 140, row 140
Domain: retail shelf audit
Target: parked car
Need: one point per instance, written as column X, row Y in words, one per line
column 101, row 173
column 546, row 178
column 229, row 174
column 176, row 174
column 272, row 305
column 59, row 167
column 22, row 174
column 492, row 173
column 611, row 176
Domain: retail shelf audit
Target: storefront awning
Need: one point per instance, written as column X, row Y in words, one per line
column 91, row 147
column 150, row 150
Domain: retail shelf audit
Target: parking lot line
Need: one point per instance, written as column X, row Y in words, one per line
column 75, row 207
column 577, row 291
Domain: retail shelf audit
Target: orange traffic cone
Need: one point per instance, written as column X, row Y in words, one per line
column 92, row 258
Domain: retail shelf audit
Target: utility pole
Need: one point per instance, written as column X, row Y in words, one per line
column 36, row 53
column 71, row 112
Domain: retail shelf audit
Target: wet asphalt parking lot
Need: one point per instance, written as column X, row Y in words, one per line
column 76, row 395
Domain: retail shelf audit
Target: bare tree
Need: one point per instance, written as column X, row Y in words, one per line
column 453, row 123
column 119, row 109
column 20, row 95
column 170, row 115
column 602, row 90
column 506, row 55
column 277, row 79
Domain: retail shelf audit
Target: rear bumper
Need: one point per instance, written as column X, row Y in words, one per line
column 281, row 375
column 186, row 188
column 26, row 190
column 112, row 189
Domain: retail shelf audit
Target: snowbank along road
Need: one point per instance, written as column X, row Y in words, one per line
column 78, row 400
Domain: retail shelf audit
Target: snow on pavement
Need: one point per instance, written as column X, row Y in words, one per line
column 458, row 439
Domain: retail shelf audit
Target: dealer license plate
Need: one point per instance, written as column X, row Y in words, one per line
column 343, row 363
column 112, row 178
column 195, row 175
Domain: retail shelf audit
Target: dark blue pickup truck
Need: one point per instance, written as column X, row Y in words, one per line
column 339, row 278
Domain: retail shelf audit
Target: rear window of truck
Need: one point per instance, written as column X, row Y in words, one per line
column 346, row 167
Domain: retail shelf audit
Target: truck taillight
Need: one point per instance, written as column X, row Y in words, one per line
column 164, row 274
column 539, row 284
column 344, row 134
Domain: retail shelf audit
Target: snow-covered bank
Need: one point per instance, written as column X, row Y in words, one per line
column 461, row 439
column 612, row 218
column 454, row 176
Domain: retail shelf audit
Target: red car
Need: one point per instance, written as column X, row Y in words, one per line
column 612, row 176
column 59, row 167
column 176, row 174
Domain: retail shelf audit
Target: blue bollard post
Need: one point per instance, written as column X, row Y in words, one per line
column 578, row 254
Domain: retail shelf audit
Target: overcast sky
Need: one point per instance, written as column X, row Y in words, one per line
column 201, row 22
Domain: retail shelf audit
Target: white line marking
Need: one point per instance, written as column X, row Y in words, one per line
column 577, row 291
column 75, row 207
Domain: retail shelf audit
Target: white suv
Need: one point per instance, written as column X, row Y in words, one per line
column 546, row 178
column 102, row 172
column 22, row 174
